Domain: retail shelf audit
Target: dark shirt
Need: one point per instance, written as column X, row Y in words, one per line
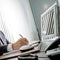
column 3, row 43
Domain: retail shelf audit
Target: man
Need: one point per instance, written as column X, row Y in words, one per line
column 5, row 46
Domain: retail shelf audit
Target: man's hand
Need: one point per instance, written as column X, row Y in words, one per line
column 21, row 42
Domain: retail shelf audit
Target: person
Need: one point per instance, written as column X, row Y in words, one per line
column 6, row 46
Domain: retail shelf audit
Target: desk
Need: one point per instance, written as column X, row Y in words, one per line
column 17, row 53
column 40, row 53
column 42, row 56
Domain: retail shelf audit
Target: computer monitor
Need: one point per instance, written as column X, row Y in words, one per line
column 50, row 23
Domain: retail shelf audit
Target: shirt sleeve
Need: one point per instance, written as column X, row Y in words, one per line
column 9, row 47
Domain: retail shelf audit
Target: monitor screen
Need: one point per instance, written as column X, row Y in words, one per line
column 49, row 22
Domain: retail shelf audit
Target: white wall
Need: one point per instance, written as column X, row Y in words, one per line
column 18, row 19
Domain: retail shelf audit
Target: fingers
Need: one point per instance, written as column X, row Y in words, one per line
column 24, row 41
column 21, row 42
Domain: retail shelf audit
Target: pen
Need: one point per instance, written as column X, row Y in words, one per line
column 20, row 35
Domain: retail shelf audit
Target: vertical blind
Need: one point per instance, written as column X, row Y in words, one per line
column 18, row 19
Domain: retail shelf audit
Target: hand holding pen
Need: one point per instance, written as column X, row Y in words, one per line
column 25, row 41
column 32, row 43
column 19, row 43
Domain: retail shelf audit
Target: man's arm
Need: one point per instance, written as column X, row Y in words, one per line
column 15, row 46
